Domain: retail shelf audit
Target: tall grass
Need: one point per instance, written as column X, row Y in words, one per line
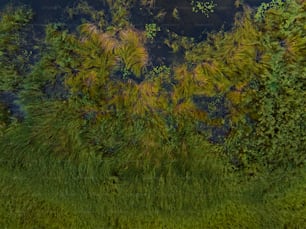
column 40, row 189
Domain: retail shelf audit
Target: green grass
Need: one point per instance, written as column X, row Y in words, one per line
column 40, row 190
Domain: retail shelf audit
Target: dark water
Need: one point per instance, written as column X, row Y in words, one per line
column 193, row 24
column 190, row 24
column 45, row 10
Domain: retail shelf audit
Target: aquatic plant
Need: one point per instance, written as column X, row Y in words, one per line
column 260, row 13
column 223, row 66
column 82, row 8
column 206, row 7
column 150, row 3
column 14, row 61
column 276, row 139
column 120, row 12
column 13, row 47
column 87, row 67
column 132, row 51
column 151, row 30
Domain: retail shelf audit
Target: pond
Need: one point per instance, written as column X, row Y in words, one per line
column 186, row 23
column 189, row 23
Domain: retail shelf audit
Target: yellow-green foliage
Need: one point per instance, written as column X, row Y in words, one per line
column 278, row 135
column 87, row 64
column 132, row 51
column 102, row 53
column 226, row 64
column 120, row 12
column 83, row 8
column 12, row 53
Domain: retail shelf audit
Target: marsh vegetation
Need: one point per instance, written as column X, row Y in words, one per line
column 99, row 130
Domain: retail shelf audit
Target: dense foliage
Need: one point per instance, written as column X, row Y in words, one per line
column 105, row 138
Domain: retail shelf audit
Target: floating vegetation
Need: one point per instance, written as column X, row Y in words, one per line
column 203, row 7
